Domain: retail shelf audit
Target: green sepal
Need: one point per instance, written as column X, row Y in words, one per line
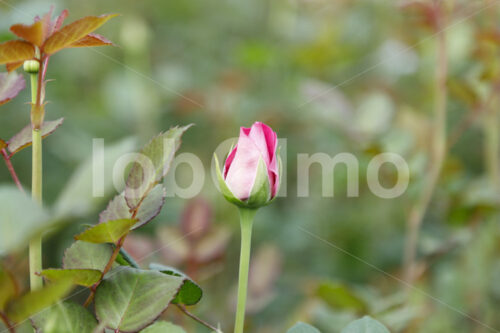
column 261, row 190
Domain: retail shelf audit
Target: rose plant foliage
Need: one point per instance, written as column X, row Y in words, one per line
column 121, row 295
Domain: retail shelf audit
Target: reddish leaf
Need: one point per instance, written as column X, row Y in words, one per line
column 51, row 26
column 10, row 85
column 92, row 40
column 212, row 245
column 60, row 19
column 16, row 50
column 33, row 33
column 196, row 219
column 74, row 32
column 12, row 66
column 23, row 139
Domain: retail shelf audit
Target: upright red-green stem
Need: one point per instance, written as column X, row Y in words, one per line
column 35, row 246
column 438, row 152
column 246, row 221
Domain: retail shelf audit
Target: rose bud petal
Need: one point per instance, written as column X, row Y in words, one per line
column 251, row 174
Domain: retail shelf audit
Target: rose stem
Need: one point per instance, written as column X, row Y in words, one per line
column 35, row 246
column 246, row 219
column 192, row 316
column 111, row 260
column 438, row 153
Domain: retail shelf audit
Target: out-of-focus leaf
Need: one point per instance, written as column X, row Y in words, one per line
column 3, row 144
column 65, row 317
column 162, row 327
column 33, row 33
column 23, row 139
column 303, row 328
column 82, row 277
column 196, row 219
column 21, row 219
column 139, row 246
column 173, row 244
column 481, row 192
column 365, row 325
column 212, row 245
column 92, row 40
column 30, row 304
column 107, row 232
column 15, row 51
column 77, row 198
column 156, row 157
column 8, row 288
column 464, row 91
column 149, row 208
column 10, row 85
column 121, row 298
column 84, row 255
column 74, row 32
column 190, row 292
column 264, row 270
column 339, row 296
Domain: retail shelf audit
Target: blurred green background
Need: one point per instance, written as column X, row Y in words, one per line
column 329, row 76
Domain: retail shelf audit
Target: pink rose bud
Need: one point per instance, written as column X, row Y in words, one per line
column 251, row 174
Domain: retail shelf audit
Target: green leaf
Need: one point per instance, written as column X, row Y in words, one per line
column 340, row 296
column 30, row 304
column 155, row 161
column 82, row 277
column 84, row 255
column 365, row 325
column 10, row 85
column 23, row 138
column 125, row 259
column 21, row 219
column 162, row 327
column 78, row 198
column 303, row 328
column 107, row 232
column 129, row 299
column 190, row 292
column 148, row 210
column 65, row 317
column 8, row 288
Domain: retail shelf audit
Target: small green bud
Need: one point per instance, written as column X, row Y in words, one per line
column 31, row 66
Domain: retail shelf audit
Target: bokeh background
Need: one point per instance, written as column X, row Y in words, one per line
column 355, row 76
